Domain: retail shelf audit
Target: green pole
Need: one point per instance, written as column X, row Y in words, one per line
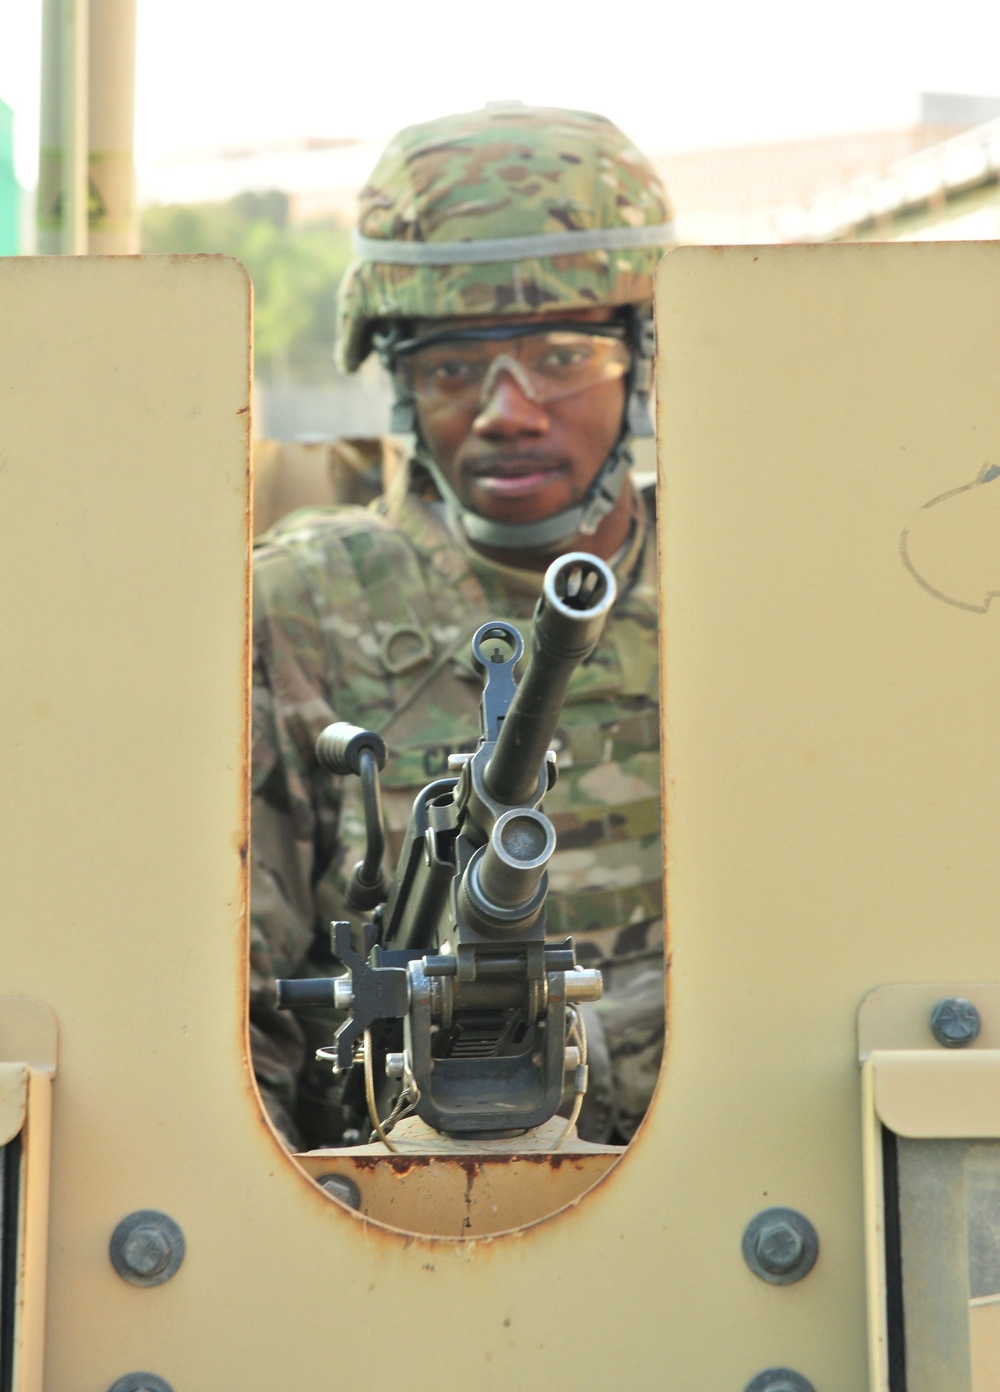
column 10, row 193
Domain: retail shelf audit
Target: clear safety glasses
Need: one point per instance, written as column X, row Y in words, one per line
column 462, row 370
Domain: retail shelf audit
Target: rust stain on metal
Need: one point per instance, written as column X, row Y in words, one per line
column 474, row 1167
column 397, row 1164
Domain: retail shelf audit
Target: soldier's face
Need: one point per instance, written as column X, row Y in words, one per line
column 512, row 458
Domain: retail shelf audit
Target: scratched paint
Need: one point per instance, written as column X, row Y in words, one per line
column 950, row 545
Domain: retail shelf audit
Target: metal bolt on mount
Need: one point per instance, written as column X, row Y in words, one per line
column 146, row 1248
column 140, row 1382
column 342, row 1187
column 780, row 1246
column 343, row 993
column 955, row 1022
column 779, row 1380
column 584, row 984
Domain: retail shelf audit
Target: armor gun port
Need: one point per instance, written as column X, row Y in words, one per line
column 458, row 951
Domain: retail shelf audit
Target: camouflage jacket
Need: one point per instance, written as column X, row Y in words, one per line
column 367, row 616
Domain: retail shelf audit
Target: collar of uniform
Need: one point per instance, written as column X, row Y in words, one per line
column 500, row 578
column 482, row 586
column 422, row 521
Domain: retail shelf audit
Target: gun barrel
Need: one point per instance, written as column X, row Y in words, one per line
column 577, row 594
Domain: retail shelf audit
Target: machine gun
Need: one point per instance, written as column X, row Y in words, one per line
column 455, row 947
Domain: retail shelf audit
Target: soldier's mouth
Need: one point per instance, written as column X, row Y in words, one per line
column 515, row 476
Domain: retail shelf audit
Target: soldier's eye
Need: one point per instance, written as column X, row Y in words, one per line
column 450, row 373
column 565, row 358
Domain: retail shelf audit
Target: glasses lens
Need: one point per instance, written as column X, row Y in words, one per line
column 563, row 363
column 552, row 364
column 449, row 372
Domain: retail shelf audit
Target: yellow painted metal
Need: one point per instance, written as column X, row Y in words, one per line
column 872, row 1180
column 125, row 815
column 474, row 1196
column 899, row 1016
column 13, row 1099
column 830, row 772
column 831, row 760
column 440, row 1186
column 919, row 1090
column 923, row 1094
column 28, row 1032
column 28, row 1054
column 33, row 1244
column 984, row 1341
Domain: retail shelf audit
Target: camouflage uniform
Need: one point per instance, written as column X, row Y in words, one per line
column 367, row 616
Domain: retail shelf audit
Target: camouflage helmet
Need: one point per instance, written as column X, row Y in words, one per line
column 510, row 210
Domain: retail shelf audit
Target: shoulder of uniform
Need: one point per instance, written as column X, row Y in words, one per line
column 317, row 524
column 331, row 541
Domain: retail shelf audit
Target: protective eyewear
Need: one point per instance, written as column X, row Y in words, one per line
column 462, row 369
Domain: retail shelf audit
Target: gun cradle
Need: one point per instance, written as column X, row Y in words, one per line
column 458, row 950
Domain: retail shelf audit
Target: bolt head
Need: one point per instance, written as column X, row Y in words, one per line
column 955, row 1022
column 779, row 1380
column 146, row 1248
column 342, row 1188
column 146, row 1251
column 779, row 1248
column 140, row 1382
column 780, row 1245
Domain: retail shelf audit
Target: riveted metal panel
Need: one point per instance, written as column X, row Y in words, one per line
column 829, row 427
column 830, row 692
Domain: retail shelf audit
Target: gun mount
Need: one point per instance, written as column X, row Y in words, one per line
column 457, row 951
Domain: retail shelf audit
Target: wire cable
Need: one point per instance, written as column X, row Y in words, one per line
column 578, row 1031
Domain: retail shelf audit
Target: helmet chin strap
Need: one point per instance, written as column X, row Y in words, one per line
column 548, row 533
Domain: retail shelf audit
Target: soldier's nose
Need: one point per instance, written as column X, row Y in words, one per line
column 508, row 410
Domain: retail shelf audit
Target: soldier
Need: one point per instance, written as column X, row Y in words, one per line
column 503, row 274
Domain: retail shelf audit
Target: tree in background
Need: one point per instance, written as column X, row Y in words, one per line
column 295, row 268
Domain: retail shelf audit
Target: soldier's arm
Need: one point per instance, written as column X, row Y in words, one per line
column 287, row 832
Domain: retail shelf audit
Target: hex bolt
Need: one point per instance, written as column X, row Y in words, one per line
column 146, row 1248
column 145, row 1251
column 140, row 1382
column 779, row 1380
column 342, row 1187
column 780, row 1246
column 955, row 1022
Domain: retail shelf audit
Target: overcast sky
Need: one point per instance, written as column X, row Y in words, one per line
column 674, row 75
